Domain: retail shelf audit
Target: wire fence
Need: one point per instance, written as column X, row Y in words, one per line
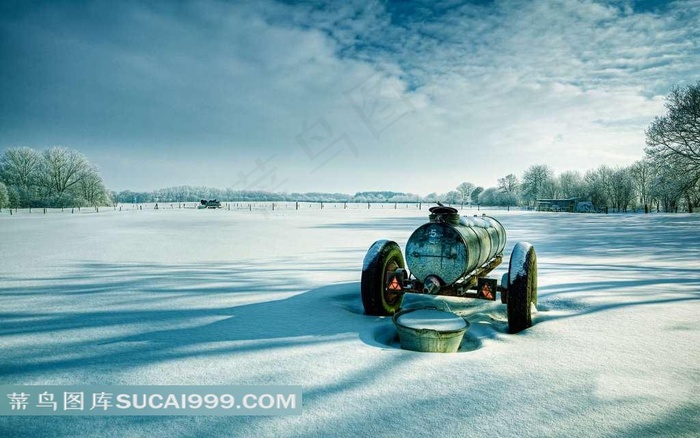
column 246, row 206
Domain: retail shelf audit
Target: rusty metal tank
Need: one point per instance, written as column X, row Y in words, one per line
column 450, row 246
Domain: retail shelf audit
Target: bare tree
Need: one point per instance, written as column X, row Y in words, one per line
column 693, row 197
column 509, row 183
column 92, row 189
column 451, row 197
column 597, row 183
column 608, row 187
column 551, row 188
column 642, row 177
column 62, row 170
column 670, row 187
column 621, row 188
column 509, row 187
column 666, row 188
column 20, row 167
column 14, row 197
column 431, row 197
column 475, row 194
column 535, row 180
column 674, row 139
column 465, row 190
column 571, row 184
column 4, row 196
column 489, row 196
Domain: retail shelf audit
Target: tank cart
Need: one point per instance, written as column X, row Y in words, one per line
column 451, row 255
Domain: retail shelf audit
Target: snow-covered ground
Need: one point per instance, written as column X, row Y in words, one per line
column 259, row 297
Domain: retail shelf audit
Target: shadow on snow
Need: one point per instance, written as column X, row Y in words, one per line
column 252, row 306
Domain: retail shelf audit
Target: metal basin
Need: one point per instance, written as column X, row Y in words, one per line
column 430, row 330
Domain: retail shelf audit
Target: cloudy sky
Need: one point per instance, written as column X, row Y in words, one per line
column 340, row 96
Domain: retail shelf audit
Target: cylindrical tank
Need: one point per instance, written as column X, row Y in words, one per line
column 450, row 246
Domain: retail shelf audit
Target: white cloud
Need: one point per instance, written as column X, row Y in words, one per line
column 482, row 90
column 501, row 86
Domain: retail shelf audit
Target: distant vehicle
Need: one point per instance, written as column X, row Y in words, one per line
column 211, row 203
column 451, row 256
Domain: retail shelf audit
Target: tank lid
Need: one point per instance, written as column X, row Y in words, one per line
column 441, row 209
column 444, row 215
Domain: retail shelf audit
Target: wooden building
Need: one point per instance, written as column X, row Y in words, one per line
column 567, row 205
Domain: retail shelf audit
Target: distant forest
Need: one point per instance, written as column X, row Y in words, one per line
column 195, row 194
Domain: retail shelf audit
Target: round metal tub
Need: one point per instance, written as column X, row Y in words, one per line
column 430, row 330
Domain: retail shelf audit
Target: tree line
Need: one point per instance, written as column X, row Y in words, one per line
column 56, row 177
column 195, row 194
column 667, row 178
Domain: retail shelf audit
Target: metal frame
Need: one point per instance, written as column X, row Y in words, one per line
column 461, row 288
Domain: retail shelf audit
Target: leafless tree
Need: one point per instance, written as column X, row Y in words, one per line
column 451, row 197
column 20, row 167
column 673, row 144
column 666, row 188
column 535, row 181
column 509, row 187
column 465, row 190
column 62, row 170
column 621, row 188
column 571, row 184
column 677, row 134
column 489, row 196
column 597, row 182
column 642, row 177
column 14, row 197
column 92, row 189
column 551, row 188
column 475, row 194
column 4, row 196
column 509, row 183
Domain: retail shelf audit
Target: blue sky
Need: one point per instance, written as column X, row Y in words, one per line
column 340, row 96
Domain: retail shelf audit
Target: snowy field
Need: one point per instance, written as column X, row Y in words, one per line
column 239, row 297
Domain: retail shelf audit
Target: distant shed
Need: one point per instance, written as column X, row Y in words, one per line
column 567, row 205
column 585, row 207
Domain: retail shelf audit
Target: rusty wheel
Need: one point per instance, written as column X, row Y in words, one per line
column 382, row 257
